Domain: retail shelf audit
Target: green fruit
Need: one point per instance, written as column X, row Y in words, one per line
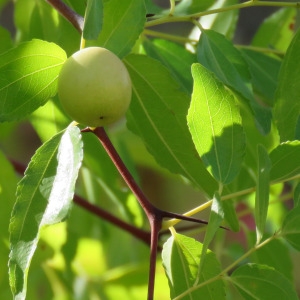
column 94, row 87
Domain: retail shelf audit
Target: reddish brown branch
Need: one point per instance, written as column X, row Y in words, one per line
column 73, row 17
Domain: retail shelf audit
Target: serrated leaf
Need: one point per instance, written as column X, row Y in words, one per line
column 123, row 22
column 215, row 219
column 28, row 78
column 291, row 229
column 93, row 19
column 256, row 281
column 219, row 55
column 44, row 197
column 275, row 31
column 262, row 191
column 264, row 71
column 216, row 126
column 181, row 258
column 285, row 160
column 175, row 57
column 158, row 115
column 287, row 106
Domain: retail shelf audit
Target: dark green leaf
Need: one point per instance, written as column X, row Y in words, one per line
column 275, row 31
column 44, row 197
column 219, row 55
column 262, row 282
column 287, row 106
column 216, row 126
column 264, row 71
column 285, row 160
column 118, row 15
column 93, row 19
column 158, row 115
column 28, row 78
column 262, row 191
column 181, row 258
column 291, row 229
column 175, row 57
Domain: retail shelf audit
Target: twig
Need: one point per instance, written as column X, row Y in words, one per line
column 73, row 17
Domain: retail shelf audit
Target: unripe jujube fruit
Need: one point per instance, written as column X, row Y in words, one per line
column 94, row 87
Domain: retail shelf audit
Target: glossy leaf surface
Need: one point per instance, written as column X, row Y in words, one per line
column 28, row 78
column 44, row 197
column 93, row 19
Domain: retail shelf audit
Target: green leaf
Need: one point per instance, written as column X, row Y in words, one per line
column 28, row 78
column 269, row 255
column 181, row 258
column 262, row 282
column 158, row 115
column 275, row 31
column 216, row 126
column 287, row 106
column 215, row 219
column 93, row 19
column 44, row 197
column 285, row 160
column 264, row 71
column 262, row 191
column 291, row 229
column 219, row 55
column 231, row 215
column 123, row 23
column 175, row 57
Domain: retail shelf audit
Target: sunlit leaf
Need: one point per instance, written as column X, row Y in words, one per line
column 255, row 281
column 130, row 14
column 220, row 56
column 285, row 160
column 262, row 191
column 181, row 258
column 216, row 126
column 93, row 19
column 44, row 197
column 28, row 78
column 277, row 30
column 158, row 115
column 291, row 229
column 287, row 106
